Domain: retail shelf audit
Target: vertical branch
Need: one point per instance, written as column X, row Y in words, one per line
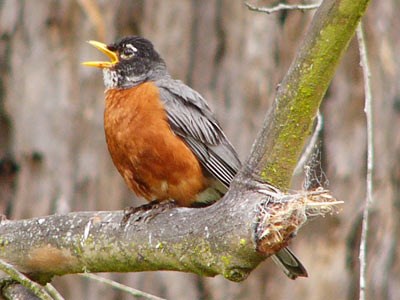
column 370, row 159
column 279, row 144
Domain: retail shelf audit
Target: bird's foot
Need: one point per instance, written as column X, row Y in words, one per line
column 147, row 211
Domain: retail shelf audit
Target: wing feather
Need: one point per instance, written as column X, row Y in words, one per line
column 190, row 118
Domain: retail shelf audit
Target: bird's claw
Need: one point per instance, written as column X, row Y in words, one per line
column 147, row 211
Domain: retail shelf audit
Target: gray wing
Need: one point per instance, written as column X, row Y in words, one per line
column 190, row 118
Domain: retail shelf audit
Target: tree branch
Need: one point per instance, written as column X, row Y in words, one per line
column 209, row 241
column 287, row 127
column 282, row 6
column 17, row 276
column 229, row 238
column 370, row 159
column 121, row 287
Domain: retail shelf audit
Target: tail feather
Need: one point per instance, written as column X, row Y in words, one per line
column 290, row 264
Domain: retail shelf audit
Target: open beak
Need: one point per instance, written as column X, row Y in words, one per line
column 102, row 64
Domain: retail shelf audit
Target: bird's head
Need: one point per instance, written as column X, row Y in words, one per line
column 133, row 61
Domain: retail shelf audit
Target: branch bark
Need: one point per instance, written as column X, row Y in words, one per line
column 224, row 238
column 370, row 160
column 287, row 127
column 210, row 241
column 229, row 238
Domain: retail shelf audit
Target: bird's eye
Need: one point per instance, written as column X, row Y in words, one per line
column 128, row 51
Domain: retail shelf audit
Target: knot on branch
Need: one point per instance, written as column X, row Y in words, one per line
column 280, row 216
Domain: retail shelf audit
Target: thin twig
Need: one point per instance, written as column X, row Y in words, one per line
column 370, row 158
column 36, row 288
column 282, row 6
column 311, row 144
column 119, row 286
column 51, row 290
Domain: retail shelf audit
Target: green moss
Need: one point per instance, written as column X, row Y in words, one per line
column 302, row 90
column 226, row 260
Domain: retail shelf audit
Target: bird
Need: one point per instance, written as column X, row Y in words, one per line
column 162, row 136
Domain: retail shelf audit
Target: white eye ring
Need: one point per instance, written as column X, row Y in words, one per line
column 129, row 51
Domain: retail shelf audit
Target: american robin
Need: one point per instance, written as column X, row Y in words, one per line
column 162, row 136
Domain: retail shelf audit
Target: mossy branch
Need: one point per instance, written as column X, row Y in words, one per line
column 229, row 238
column 288, row 125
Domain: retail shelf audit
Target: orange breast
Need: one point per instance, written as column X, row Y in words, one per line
column 155, row 163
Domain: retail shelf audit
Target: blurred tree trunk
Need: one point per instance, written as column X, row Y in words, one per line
column 52, row 148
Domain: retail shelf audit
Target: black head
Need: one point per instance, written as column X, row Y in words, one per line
column 133, row 60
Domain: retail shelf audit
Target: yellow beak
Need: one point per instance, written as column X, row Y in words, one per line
column 102, row 64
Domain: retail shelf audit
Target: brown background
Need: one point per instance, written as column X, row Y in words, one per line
column 53, row 157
